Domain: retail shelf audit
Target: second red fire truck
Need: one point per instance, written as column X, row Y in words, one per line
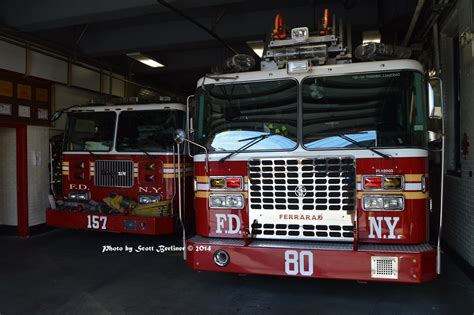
column 119, row 170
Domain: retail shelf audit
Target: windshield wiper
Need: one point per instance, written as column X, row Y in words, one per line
column 253, row 141
column 385, row 156
column 145, row 152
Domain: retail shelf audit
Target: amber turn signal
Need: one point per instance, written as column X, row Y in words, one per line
column 218, row 182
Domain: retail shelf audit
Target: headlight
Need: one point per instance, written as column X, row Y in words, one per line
column 382, row 202
column 146, row 199
column 226, row 201
column 393, row 203
column 217, row 201
column 234, row 201
column 78, row 196
column 373, row 202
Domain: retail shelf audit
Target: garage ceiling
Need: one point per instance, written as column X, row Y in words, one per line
column 107, row 30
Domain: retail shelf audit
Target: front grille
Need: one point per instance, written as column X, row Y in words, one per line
column 305, row 230
column 113, row 173
column 302, row 198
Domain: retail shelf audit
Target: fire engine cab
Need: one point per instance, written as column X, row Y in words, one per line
column 119, row 169
column 314, row 166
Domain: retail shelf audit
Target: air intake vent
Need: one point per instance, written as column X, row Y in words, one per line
column 113, row 173
column 384, row 267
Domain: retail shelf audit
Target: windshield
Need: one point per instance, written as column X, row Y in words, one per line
column 378, row 109
column 148, row 130
column 90, row 131
column 229, row 116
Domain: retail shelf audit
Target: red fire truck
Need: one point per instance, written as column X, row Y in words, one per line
column 119, row 169
column 314, row 166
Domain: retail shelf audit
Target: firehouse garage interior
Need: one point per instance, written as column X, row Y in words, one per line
column 123, row 251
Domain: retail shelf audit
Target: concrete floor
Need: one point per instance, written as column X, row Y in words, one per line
column 65, row 272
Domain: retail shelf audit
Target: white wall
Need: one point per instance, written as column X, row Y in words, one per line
column 8, row 183
column 38, row 152
column 54, row 68
column 12, row 57
column 38, row 174
column 42, row 65
column 65, row 96
column 459, row 191
column 49, row 68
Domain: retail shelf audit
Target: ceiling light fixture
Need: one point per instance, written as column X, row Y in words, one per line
column 257, row 46
column 145, row 60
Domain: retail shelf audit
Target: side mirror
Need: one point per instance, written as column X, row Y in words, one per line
column 435, row 98
column 56, row 115
column 179, row 136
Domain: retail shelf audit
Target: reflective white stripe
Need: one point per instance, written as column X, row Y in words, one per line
column 172, row 170
column 65, row 168
column 113, row 152
column 408, row 186
column 135, row 170
column 413, row 186
column 202, row 186
column 300, row 152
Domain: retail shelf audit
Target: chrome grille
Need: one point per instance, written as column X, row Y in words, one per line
column 305, row 198
column 113, row 173
column 304, row 230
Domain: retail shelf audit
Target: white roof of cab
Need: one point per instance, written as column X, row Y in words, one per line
column 117, row 108
column 325, row 70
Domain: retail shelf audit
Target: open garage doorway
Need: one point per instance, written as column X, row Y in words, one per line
column 13, row 180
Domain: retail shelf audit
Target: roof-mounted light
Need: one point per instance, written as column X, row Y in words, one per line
column 300, row 34
column 298, row 66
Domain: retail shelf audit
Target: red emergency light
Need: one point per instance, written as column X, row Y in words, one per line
column 233, row 182
column 372, row 182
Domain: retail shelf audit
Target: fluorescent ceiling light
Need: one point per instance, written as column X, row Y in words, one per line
column 145, row 60
column 257, row 46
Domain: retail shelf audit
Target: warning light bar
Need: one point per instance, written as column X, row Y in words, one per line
column 226, row 182
column 382, row 182
column 300, row 34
